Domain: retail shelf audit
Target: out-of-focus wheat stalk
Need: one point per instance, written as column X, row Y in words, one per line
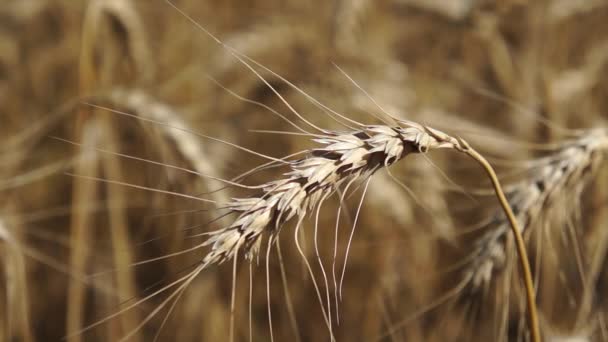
column 99, row 18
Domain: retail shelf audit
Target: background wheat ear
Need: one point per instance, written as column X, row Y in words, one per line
column 539, row 207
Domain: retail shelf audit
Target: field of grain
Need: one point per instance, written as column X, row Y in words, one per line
column 142, row 143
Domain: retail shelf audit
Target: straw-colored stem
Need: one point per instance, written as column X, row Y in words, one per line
column 519, row 242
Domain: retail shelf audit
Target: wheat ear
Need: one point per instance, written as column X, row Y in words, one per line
column 345, row 157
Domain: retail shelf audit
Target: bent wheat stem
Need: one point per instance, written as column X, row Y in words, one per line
column 519, row 243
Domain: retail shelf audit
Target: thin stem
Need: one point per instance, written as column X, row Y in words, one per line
column 519, row 242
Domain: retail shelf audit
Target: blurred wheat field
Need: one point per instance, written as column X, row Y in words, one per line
column 119, row 115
